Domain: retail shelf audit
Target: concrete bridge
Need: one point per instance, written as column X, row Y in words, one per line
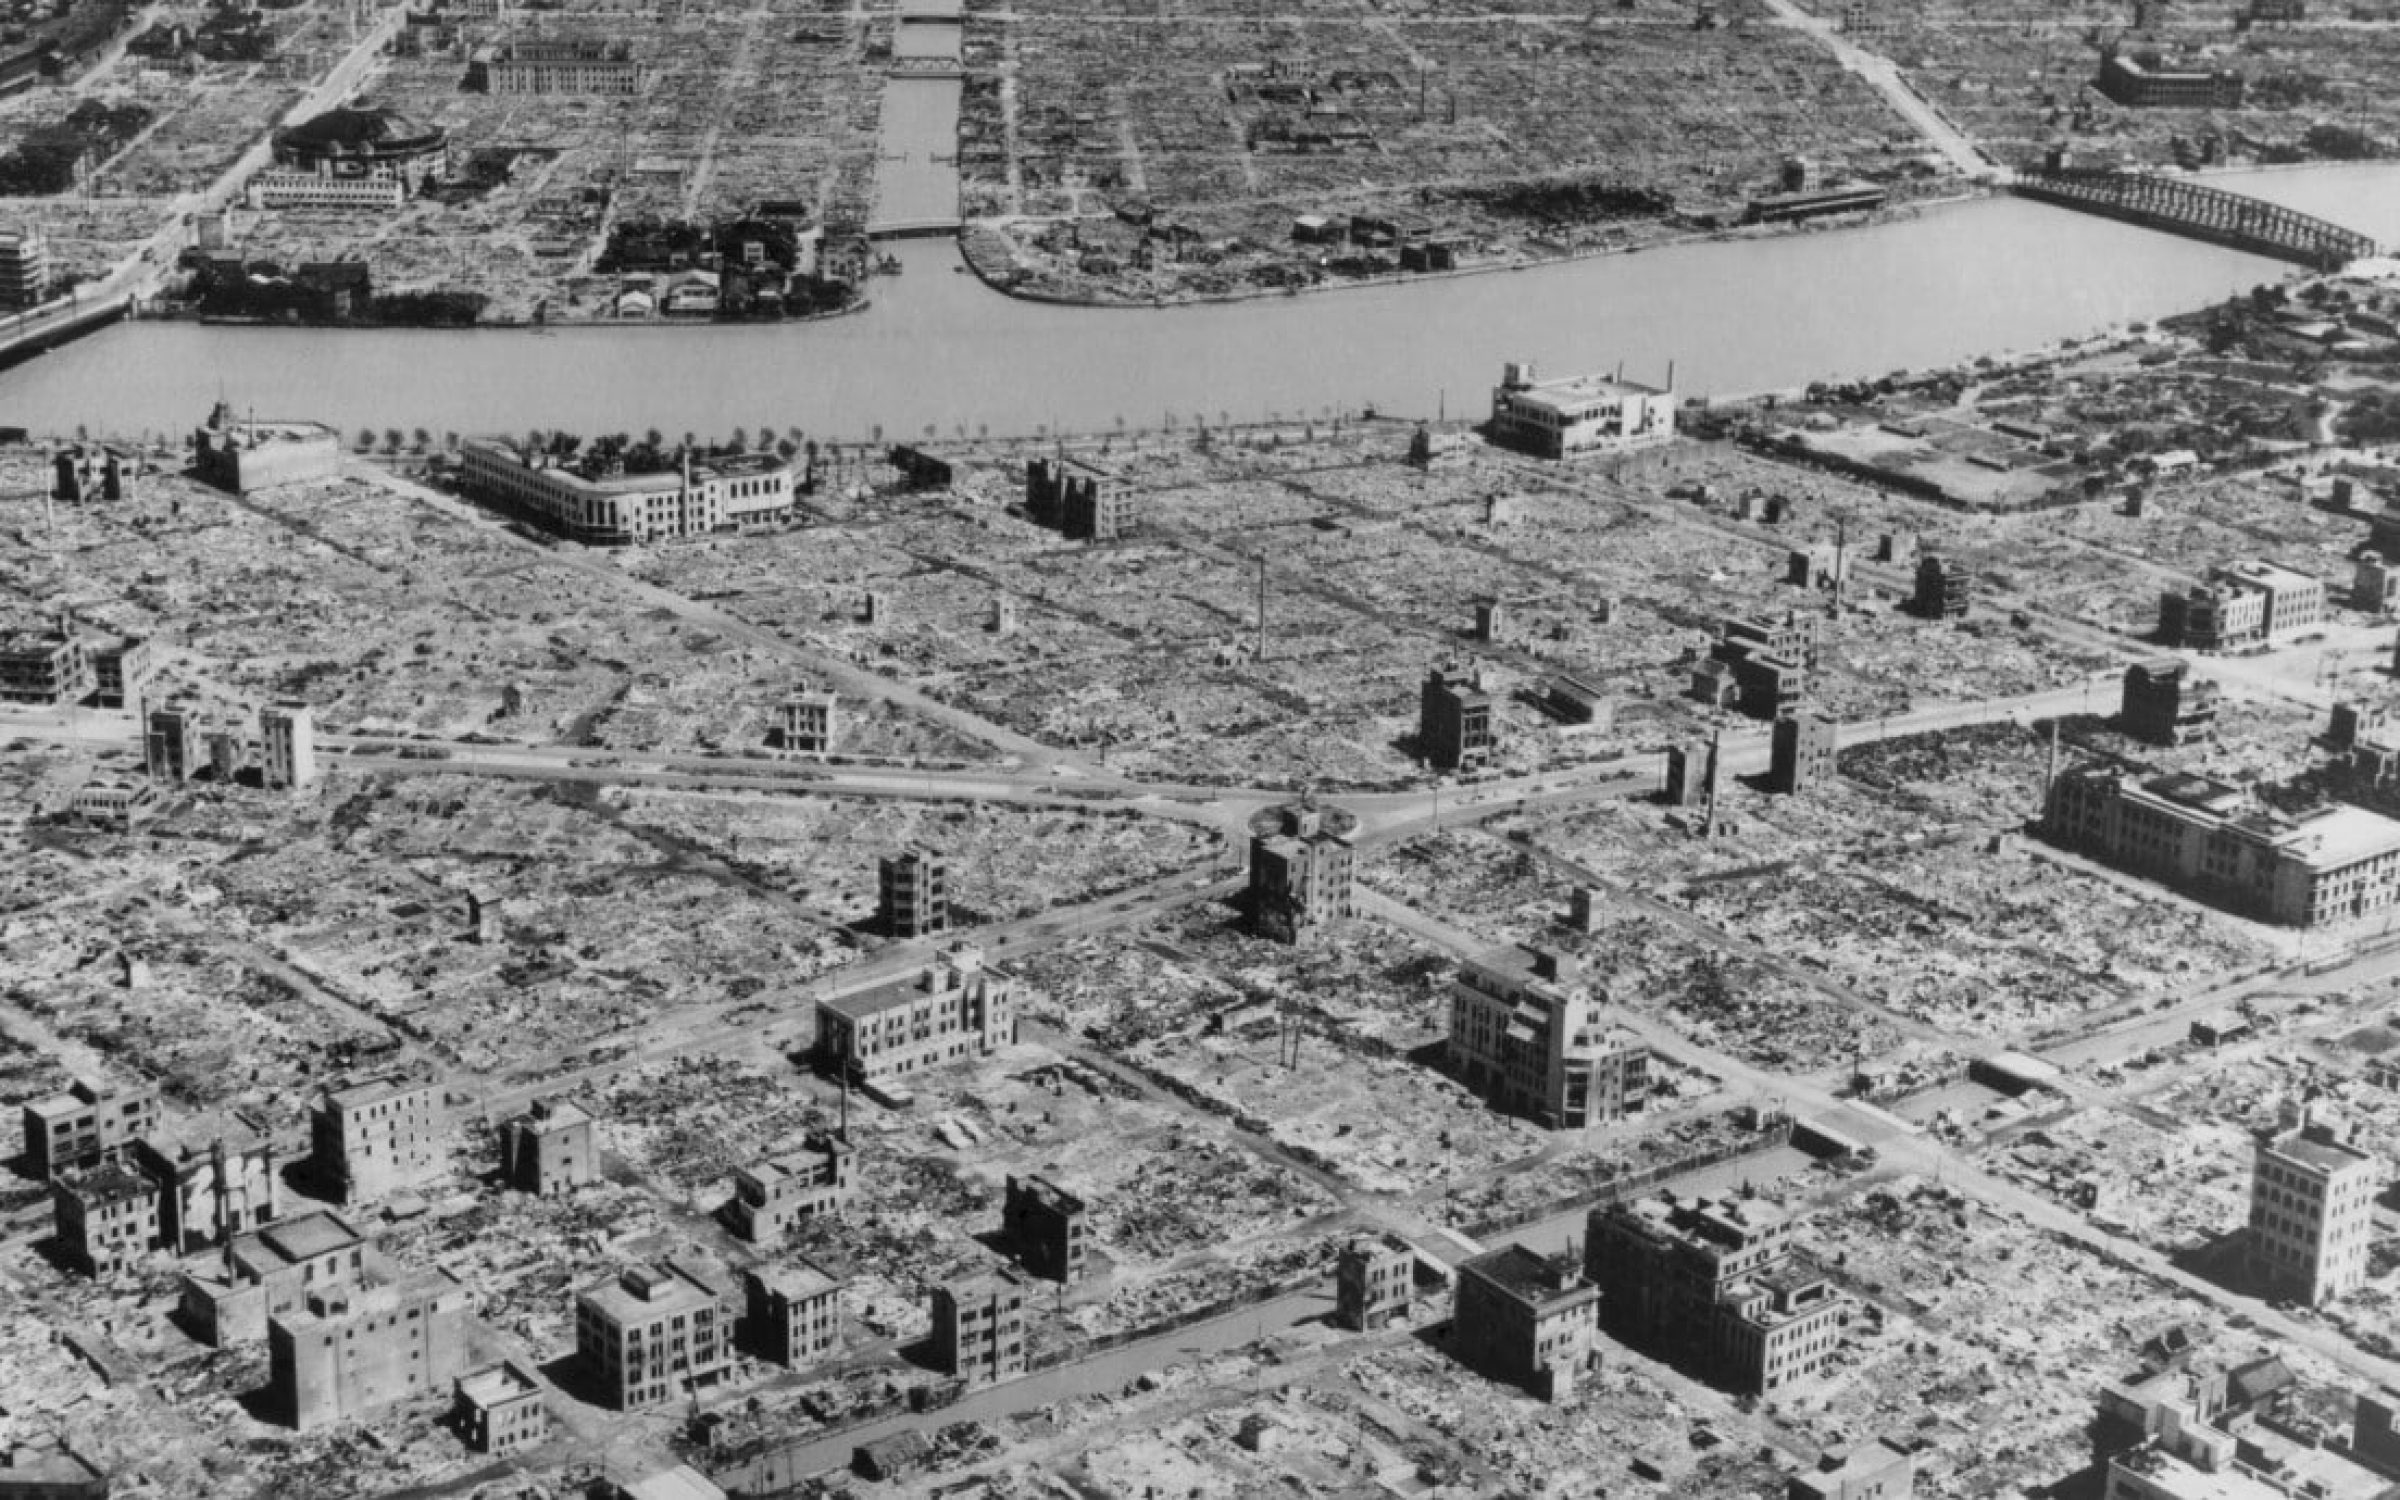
column 914, row 229
column 2181, row 206
column 925, row 67
column 33, row 332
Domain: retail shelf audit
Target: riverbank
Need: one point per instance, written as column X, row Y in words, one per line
column 974, row 236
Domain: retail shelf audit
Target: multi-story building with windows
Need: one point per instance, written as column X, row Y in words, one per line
column 792, row 1314
column 106, row 1216
column 288, row 732
column 84, row 1124
column 1044, row 1226
column 376, row 1137
column 1578, row 414
column 957, row 1007
column 45, row 664
column 271, row 1273
column 912, row 892
column 212, row 1190
column 2143, row 82
column 608, row 507
column 1710, row 1284
column 498, row 1409
column 979, row 1328
column 563, row 65
column 2216, row 842
column 1522, row 1035
column 771, row 1197
column 1525, row 1318
column 353, row 1350
column 1303, row 870
column 1454, row 722
column 651, row 1333
column 1081, row 500
column 551, row 1148
column 1374, row 1278
column 2312, row 1212
column 24, row 269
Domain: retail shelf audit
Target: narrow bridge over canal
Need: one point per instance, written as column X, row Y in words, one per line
column 2180, row 206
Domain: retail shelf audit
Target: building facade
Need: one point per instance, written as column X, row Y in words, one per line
column 498, row 1409
column 288, row 732
column 612, row 508
column 1945, row 589
column 1454, row 722
column 912, row 892
column 792, row 1314
column 1710, row 1285
column 979, row 1328
column 1523, row 1036
column 772, row 1197
column 2213, row 841
column 354, row 1350
column 1081, row 500
column 553, row 1147
column 24, row 269
column 1803, row 754
column 1579, row 414
column 650, row 1333
column 957, row 1007
column 1302, row 876
column 2164, row 704
column 1044, row 1226
column 85, row 1123
column 243, row 454
column 2312, row 1212
column 1374, row 1280
column 105, row 1215
column 564, row 65
column 376, row 1137
column 2245, row 604
column 209, row 1193
column 1527, row 1319
column 2143, row 83
column 49, row 665
column 271, row 1273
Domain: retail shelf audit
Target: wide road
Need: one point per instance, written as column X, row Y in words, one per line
column 1883, row 75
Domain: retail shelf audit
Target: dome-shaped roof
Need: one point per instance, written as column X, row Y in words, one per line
column 356, row 128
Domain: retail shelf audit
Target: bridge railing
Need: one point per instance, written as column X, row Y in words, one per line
column 2199, row 209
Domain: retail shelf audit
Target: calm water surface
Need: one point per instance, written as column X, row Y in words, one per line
column 940, row 349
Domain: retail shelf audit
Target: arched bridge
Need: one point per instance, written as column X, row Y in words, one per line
column 2180, row 206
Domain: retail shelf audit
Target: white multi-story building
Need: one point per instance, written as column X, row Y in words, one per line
column 1580, row 414
column 290, row 733
column 2312, row 1212
column 279, row 188
column 618, row 509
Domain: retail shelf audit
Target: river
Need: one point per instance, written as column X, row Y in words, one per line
column 939, row 349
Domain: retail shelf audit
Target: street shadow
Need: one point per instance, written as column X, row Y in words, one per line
column 2221, row 1260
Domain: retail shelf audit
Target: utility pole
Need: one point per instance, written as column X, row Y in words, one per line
column 1262, row 607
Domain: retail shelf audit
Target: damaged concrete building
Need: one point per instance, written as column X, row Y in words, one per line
column 1303, row 873
column 772, row 1197
column 551, row 1148
column 1710, row 1284
column 376, row 1137
column 957, row 1007
column 1522, row 1034
column 650, row 1333
column 1526, row 1318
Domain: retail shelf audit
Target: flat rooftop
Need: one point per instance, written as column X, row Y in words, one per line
column 1527, row 1275
column 803, row 1280
column 308, row 1237
column 2342, row 835
column 646, row 1292
column 376, row 1090
column 494, row 1384
column 2323, row 1155
column 1580, row 390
